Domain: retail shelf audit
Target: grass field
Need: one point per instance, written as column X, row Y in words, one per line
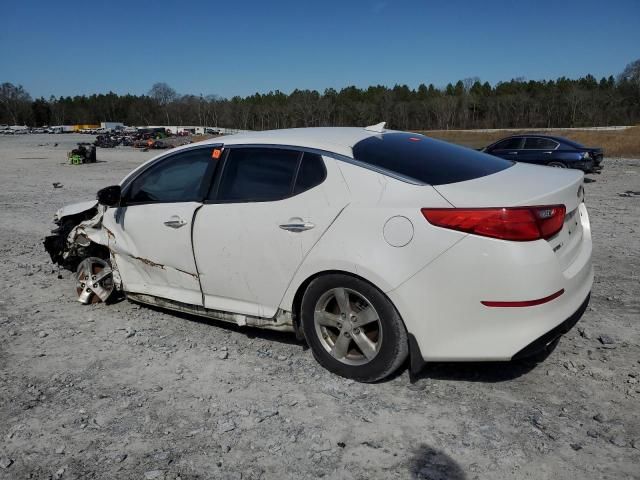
column 616, row 143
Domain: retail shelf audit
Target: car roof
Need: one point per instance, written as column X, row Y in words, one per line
column 339, row 140
column 332, row 139
column 536, row 135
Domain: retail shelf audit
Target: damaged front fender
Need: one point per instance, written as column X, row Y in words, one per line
column 78, row 235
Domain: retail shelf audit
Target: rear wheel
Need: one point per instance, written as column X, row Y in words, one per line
column 352, row 328
column 557, row 164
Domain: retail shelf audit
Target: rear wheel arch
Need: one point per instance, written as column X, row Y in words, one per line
column 341, row 345
column 302, row 288
column 557, row 164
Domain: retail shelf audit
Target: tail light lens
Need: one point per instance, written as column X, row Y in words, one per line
column 520, row 224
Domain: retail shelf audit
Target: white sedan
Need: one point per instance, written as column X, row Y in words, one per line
column 372, row 245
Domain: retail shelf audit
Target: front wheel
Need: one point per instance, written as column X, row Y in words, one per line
column 94, row 280
column 352, row 328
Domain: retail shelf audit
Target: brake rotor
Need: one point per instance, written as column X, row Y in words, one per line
column 94, row 280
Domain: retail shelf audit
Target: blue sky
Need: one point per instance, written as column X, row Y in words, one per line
column 239, row 48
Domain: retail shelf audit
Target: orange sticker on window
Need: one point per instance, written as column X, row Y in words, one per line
column 216, row 153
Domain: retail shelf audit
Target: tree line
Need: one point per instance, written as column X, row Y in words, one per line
column 466, row 104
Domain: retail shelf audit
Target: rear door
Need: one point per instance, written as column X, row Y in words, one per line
column 150, row 235
column 266, row 211
column 538, row 150
column 508, row 148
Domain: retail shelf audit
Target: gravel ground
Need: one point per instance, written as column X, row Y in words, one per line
column 123, row 391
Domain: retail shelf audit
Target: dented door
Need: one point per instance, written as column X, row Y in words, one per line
column 248, row 245
column 150, row 234
column 152, row 250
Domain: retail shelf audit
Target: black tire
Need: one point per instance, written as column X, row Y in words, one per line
column 393, row 347
column 557, row 164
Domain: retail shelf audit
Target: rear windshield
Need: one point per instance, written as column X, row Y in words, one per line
column 571, row 143
column 426, row 160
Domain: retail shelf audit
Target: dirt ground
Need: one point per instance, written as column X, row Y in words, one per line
column 123, row 391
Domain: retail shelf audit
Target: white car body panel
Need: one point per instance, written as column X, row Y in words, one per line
column 245, row 260
column 152, row 258
column 74, row 209
column 364, row 251
column 543, row 186
column 441, row 304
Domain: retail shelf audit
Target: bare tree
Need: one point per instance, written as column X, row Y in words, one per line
column 631, row 72
column 15, row 100
column 468, row 82
column 163, row 94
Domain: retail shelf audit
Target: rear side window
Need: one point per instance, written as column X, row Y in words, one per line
column 537, row 143
column 258, row 174
column 426, row 160
column 178, row 178
column 310, row 174
column 508, row 144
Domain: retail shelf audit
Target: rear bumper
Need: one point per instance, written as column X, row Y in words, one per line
column 586, row 166
column 594, row 165
column 441, row 305
column 540, row 344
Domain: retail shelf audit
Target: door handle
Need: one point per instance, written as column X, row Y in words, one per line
column 296, row 225
column 513, row 153
column 175, row 222
column 547, row 153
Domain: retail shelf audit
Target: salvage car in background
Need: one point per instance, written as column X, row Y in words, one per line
column 370, row 244
column 547, row 150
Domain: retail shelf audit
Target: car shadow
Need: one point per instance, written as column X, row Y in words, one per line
column 433, row 464
column 486, row 372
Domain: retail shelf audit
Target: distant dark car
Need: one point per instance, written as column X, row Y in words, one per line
column 546, row 150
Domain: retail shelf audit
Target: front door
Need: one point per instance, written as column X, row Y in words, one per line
column 269, row 209
column 509, row 148
column 150, row 234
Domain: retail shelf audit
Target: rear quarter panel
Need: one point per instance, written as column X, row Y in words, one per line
column 355, row 243
column 567, row 155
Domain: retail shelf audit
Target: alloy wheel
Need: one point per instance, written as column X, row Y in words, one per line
column 348, row 326
column 94, row 281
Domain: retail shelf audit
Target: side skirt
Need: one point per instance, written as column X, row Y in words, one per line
column 282, row 321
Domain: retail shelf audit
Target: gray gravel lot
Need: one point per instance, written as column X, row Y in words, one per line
column 123, row 391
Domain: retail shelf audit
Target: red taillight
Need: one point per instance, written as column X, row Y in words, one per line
column 519, row 224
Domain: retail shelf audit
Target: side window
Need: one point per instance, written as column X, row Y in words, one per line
column 509, row 144
column 311, row 173
column 178, row 178
column 536, row 143
column 258, row 174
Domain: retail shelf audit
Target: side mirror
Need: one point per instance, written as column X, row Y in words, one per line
column 109, row 196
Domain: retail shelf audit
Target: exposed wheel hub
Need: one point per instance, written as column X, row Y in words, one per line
column 94, row 280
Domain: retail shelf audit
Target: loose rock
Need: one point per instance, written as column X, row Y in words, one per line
column 606, row 340
column 153, row 474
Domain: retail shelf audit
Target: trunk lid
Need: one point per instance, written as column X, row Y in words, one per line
column 528, row 185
